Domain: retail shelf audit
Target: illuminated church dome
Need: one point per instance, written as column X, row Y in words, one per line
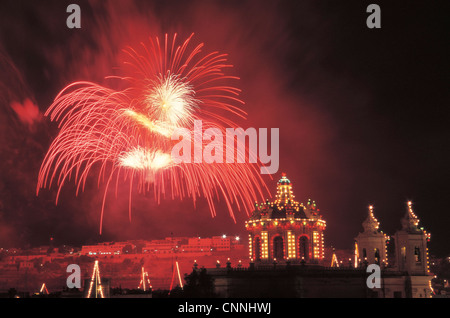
column 285, row 229
column 284, row 204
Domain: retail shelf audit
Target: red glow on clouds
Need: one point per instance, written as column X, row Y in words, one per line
column 28, row 112
column 348, row 133
column 253, row 49
column 252, row 34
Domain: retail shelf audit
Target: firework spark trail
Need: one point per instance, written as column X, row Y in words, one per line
column 127, row 132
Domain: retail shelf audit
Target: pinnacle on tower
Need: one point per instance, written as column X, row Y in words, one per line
column 371, row 224
column 410, row 221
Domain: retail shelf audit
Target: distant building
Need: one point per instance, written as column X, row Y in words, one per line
column 169, row 245
column 197, row 245
column 106, row 248
column 221, row 243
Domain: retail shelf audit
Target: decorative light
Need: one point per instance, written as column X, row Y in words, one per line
column 316, row 244
column 176, row 270
column 145, row 280
column 95, row 278
column 412, row 215
column 264, row 245
column 334, row 261
column 44, row 289
column 291, row 244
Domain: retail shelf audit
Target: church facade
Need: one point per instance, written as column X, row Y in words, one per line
column 287, row 256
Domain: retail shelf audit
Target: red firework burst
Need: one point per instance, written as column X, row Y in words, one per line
column 127, row 132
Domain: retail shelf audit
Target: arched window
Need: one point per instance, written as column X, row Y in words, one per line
column 303, row 248
column 278, row 251
column 257, row 248
column 377, row 256
column 417, row 254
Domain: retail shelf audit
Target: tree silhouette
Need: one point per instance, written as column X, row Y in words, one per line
column 199, row 284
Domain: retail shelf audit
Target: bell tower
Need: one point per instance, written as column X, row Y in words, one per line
column 371, row 243
column 411, row 245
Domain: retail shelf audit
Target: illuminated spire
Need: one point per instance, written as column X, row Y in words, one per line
column 410, row 221
column 371, row 224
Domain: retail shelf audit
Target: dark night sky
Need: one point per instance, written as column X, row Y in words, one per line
column 363, row 113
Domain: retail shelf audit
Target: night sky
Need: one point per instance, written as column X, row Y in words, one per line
column 363, row 113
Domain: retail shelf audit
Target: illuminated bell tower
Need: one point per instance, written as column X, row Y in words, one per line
column 371, row 243
column 411, row 245
column 286, row 230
